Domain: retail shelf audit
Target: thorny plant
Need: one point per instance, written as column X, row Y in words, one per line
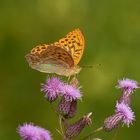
column 69, row 93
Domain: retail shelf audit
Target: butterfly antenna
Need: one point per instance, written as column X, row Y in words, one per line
column 91, row 66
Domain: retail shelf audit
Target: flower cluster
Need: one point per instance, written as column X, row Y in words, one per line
column 67, row 107
column 123, row 113
column 69, row 93
column 54, row 87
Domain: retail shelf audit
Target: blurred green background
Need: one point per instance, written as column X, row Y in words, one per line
column 112, row 34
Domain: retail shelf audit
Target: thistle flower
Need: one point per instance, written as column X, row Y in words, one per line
column 68, row 104
column 70, row 93
column 126, row 111
column 52, row 88
column 75, row 129
column 123, row 114
column 31, row 132
column 128, row 86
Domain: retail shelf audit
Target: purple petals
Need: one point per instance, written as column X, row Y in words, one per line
column 32, row 132
column 126, row 112
column 52, row 88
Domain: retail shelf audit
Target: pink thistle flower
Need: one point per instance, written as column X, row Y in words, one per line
column 127, row 84
column 70, row 93
column 123, row 114
column 31, row 132
column 126, row 112
column 52, row 88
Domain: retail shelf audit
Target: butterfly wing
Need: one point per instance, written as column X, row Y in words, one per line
column 74, row 44
column 50, row 59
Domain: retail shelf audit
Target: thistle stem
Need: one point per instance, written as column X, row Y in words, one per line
column 90, row 134
column 116, row 133
column 61, row 132
column 60, row 125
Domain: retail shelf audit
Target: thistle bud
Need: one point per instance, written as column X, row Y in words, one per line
column 112, row 122
column 72, row 110
column 75, row 129
column 64, row 107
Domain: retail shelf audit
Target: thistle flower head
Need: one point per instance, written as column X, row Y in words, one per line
column 31, row 132
column 127, row 84
column 70, row 93
column 52, row 88
column 126, row 112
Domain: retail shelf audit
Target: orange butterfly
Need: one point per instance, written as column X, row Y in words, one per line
column 60, row 57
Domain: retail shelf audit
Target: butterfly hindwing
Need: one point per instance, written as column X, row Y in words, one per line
column 52, row 54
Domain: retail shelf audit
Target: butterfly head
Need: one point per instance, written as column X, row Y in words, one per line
column 72, row 71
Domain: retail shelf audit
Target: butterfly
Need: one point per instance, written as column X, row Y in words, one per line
column 61, row 57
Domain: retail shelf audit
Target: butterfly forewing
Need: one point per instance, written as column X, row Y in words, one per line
column 74, row 44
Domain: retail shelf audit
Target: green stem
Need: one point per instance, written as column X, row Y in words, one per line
column 96, row 130
column 61, row 132
column 116, row 133
column 60, row 125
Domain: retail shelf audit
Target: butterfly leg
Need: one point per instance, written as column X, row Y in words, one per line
column 75, row 76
